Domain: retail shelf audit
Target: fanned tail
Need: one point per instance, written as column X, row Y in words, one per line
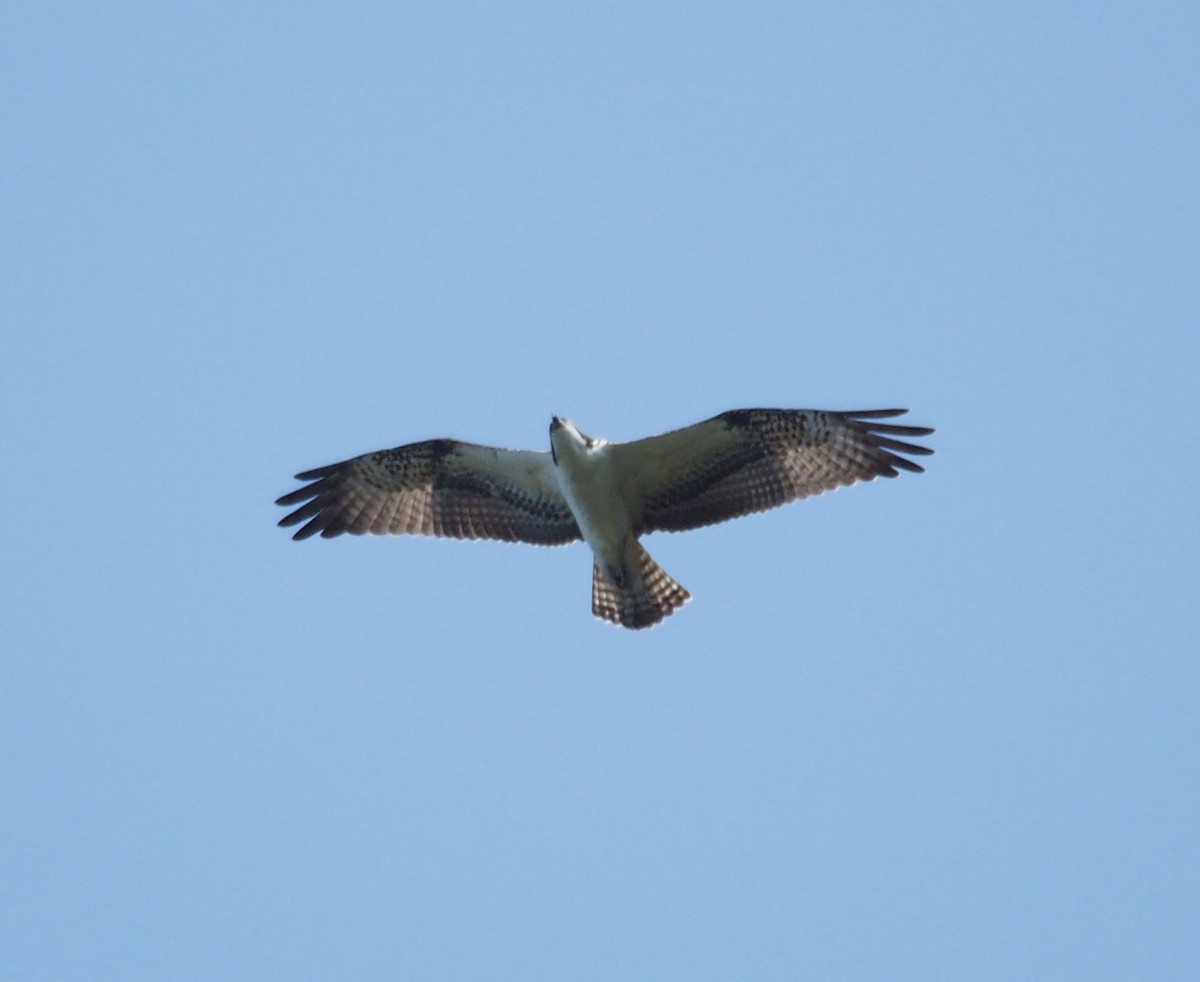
column 639, row 595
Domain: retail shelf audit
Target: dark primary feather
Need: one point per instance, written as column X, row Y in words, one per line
column 439, row 487
column 749, row 460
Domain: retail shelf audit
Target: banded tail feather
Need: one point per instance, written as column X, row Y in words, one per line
column 640, row 595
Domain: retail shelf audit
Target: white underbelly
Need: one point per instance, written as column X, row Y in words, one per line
column 598, row 505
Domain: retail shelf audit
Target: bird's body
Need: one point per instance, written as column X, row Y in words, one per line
column 589, row 478
column 608, row 494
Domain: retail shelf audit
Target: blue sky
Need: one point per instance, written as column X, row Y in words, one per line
column 938, row 727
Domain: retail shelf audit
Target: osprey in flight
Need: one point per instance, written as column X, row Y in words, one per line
column 608, row 494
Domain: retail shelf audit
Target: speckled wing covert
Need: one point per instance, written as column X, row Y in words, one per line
column 439, row 487
column 749, row 460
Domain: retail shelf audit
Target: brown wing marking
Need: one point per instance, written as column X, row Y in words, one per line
column 749, row 460
column 439, row 487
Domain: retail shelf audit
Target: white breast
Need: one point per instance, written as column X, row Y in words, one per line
column 588, row 480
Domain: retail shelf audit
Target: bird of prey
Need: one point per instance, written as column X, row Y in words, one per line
column 608, row 494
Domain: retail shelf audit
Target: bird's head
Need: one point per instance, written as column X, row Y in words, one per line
column 565, row 438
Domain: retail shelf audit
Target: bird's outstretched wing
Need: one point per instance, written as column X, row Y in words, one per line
column 439, row 487
column 749, row 460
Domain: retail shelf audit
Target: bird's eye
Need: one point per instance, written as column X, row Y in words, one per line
column 591, row 444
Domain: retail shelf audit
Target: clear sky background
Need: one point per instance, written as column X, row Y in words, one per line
column 945, row 726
